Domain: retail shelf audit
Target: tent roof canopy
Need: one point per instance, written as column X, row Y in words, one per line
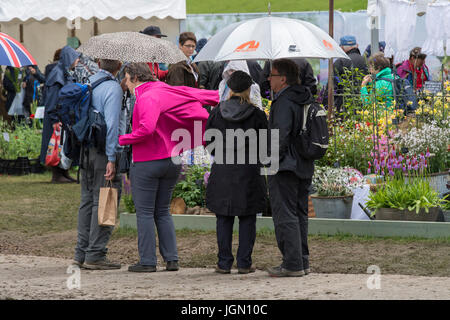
column 87, row 9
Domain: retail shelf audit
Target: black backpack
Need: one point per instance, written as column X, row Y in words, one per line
column 312, row 141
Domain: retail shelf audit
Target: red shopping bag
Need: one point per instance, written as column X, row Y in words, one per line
column 53, row 156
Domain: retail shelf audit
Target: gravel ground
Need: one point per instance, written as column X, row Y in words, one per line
column 33, row 277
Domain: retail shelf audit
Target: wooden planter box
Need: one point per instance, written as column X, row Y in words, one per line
column 406, row 215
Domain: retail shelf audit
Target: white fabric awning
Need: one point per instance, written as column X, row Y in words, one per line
column 87, row 9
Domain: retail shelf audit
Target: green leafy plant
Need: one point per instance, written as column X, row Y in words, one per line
column 23, row 141
column 128, row 202
column 445, row 205
column 192, row 188
column 414, row 195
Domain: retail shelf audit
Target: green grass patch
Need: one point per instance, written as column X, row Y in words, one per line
column 236, row 6
column 31, row 204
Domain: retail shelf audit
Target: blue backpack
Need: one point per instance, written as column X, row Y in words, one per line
column 83, row 125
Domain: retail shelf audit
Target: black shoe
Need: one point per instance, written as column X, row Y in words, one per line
column 141, row 268
column 103, row 264
column 172, row 265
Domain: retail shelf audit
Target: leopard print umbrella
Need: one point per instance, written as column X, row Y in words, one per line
column 132, row 47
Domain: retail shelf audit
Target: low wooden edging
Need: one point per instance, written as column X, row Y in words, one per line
column 318, row 226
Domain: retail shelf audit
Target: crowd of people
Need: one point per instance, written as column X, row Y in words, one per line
column 143, row 103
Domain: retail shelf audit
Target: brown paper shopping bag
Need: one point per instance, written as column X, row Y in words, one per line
column 107, row 205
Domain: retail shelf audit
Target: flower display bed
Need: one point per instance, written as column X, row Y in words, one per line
column 318, row 226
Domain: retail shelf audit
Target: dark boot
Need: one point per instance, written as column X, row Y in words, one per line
column 66, row 175
column 58, row 177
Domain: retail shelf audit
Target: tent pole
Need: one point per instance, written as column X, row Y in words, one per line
column 374, row 33
column 21, row 32
column 95, row 27
column 72, row 31
column 330, row 61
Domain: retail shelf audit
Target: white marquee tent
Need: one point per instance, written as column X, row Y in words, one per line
column 44, row 25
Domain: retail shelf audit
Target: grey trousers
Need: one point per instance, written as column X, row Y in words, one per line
column 289, row 203
column 152, row 184
column 92, row 238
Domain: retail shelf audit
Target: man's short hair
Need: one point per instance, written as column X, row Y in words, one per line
column 185, row 36
column 109, row 65
column 287, row 68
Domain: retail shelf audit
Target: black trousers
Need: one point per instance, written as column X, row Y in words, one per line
column 247, row 236
column 289, row 203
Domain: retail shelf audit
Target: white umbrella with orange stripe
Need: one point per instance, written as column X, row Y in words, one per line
column 270, row 38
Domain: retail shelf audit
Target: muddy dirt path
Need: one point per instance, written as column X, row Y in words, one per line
column 31, row 277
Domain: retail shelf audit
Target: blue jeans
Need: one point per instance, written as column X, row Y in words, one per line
column 152, row 184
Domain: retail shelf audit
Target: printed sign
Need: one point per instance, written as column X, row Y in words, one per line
column 39, row 113
column 6, row 136
column 433, row 86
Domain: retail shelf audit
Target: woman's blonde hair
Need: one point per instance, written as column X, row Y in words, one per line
column 244, row 96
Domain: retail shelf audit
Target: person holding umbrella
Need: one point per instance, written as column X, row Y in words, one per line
column 289, row 187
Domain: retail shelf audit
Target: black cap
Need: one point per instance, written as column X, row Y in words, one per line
column 239, row 81
column 153, row 31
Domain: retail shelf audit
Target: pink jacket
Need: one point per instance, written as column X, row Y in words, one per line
column 159, row 110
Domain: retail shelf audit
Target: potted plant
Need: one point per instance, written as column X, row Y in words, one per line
column 414, row 200
column 431, row 141
column 333, row 197
column 192, row 185
column 445, row 206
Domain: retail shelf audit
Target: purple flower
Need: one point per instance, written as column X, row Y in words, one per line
column 126, row 186
column 206, row 177
column 369, row 171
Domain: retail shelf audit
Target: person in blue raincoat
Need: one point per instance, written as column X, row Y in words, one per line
column 56, row 79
